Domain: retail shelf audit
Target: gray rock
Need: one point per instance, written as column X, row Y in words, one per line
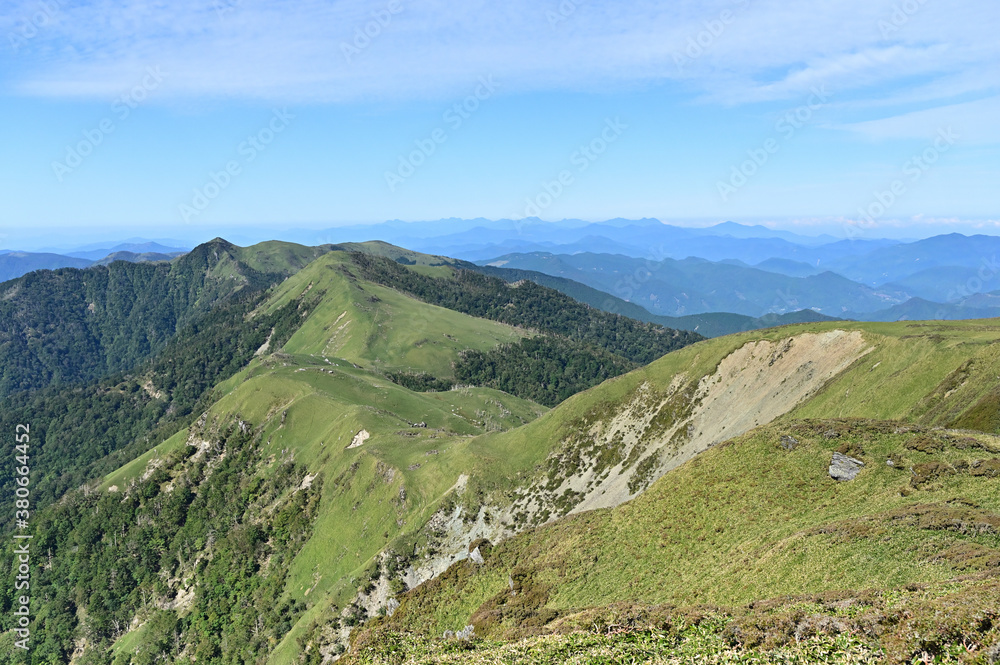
column 449, row 634
column 477, row 557
column 832, row 434
column 789, row 442
column 993, row 654
column 466, row 633
column 844, row 468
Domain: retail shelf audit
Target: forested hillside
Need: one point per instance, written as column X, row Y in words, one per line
column 79, row 325
column 86, row 431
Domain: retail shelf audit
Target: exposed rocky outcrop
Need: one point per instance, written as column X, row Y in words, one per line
column 844, row 468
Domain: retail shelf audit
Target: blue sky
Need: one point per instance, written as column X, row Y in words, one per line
column 146, row 115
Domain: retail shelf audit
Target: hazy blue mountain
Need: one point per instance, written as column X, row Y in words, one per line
column 133, row 257
column 714, row 324
column 789, row 267
column 736, row 230
column 983, row 300
column 15, row 264
column 918, row 309
column 828, row 256
column 645, row 238
column 144, row 247
column 895, row 263
column 479, row 252
column 651, row 241
column 696, row 286
column 945, row 283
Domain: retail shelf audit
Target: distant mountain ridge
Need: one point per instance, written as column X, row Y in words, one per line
column 144, row 247
column 858, row 277
column 14, row 264
column 696, row 286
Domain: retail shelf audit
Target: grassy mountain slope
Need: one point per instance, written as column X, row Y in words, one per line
column 379, row 327
column 754, row 519
column 759, row 517
column 387, row 459
column 531, row 305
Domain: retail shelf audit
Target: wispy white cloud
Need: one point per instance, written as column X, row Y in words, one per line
column 974, row 122
column 748, row 50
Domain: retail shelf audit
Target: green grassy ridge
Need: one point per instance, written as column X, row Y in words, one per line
column 932, row 373
column 908, row 365
column 903, row 375
column 308, row 411
column 715, row 324
column 378, row 327
column 744, row 521
column 530, row 305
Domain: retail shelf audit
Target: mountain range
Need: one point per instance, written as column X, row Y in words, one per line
column 363, row 453
column 738, row 276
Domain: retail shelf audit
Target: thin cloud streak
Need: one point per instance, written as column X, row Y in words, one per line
column 754, row 51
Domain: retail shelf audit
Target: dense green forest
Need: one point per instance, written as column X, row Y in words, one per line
column 199, row 551
column 73, row 326
column 80, row 432
column 530, row 305
column 545, row 369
